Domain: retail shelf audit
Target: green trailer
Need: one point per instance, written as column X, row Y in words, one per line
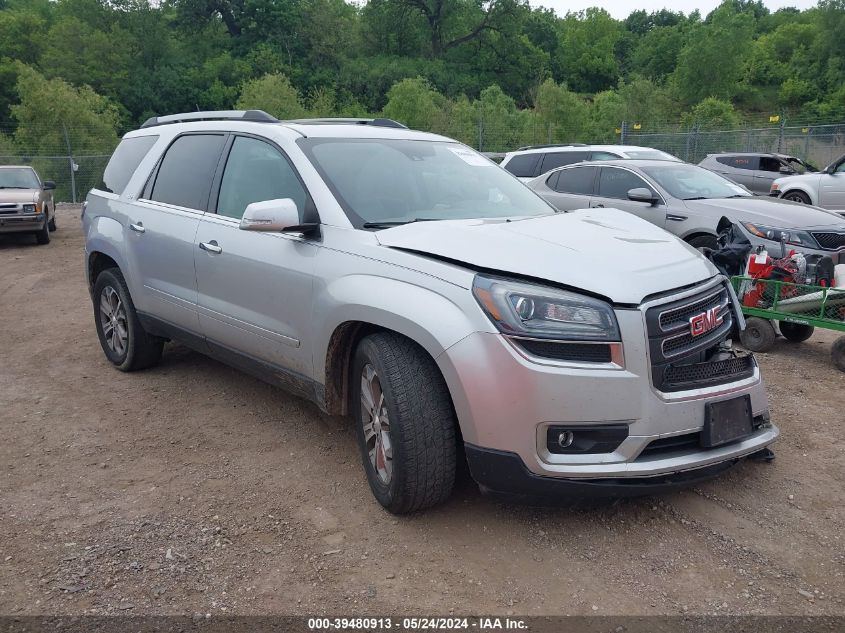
column 798, row 308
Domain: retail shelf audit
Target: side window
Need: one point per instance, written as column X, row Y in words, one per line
column 551, row 181
column 767, row 163
column 523, row 165
column 577, row 180
column 616, row 183
column 604, row 156
column 256, row 171
column 553, row 160
column 743, row 162
column 125, row 160
column 185, row 174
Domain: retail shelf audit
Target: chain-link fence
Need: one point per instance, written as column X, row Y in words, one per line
column 819, row 144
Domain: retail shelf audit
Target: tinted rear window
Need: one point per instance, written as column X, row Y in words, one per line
column 125, row 161
column 523, row 165
column 576, row 180
column 739, row 162
column 553, row 160
column 184, row 177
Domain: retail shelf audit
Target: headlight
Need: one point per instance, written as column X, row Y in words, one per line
column 29, row 208
column 790, row 236
column 530, row 310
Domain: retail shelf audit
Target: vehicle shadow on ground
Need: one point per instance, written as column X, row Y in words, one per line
column 10, row 241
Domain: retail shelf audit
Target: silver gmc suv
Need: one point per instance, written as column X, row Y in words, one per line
column 404, row 280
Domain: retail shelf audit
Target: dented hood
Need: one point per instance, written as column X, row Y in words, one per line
column 602, row 251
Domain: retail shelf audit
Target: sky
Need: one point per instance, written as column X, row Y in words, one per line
column 620, row 9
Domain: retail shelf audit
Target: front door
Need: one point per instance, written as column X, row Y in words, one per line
column 255, row 288
column 612, row 189
column 832, row 189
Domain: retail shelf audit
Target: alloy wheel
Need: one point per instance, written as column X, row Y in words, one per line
column 113, row 321
column 376, row 423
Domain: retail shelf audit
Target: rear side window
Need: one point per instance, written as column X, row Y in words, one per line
column 576, row 180
column 604, row 156
column 553, row 160
column 184, row 176
column 125, row 160
column 616, row 183
column 739, row 162
column 523, row 165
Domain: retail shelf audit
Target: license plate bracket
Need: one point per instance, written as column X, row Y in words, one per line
column 727, row 421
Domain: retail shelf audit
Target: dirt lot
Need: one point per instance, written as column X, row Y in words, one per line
column 192, row 488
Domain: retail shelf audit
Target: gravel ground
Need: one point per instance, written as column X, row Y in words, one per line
column 192, row 488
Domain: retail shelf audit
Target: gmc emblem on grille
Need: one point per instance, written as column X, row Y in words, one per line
column 704, row 322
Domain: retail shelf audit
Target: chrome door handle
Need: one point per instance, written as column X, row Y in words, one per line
column 211, row 247
column 675, row 218
column 138, row 228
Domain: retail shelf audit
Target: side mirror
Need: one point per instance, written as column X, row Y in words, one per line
column 641, row 194
column 279, row 215
column 48, row 185
column 785, row 169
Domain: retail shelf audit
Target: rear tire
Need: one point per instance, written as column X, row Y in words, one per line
column 795, row 332
column 42, row 235
column 797, row 196
column 124, row 341
column 758, row 335
column 704, row 241
column 837, row 353
column 405, row 423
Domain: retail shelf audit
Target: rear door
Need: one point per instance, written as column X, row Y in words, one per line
column 740, row 169
column 571, row 188
column 255, row 287
column 162, row 225
column 612, row 189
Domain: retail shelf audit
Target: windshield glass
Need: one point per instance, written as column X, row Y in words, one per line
column 384, row 181
column 18, row 178
column 690, row 182
column 650, row 154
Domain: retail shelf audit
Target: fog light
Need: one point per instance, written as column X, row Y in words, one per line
column 565, row 439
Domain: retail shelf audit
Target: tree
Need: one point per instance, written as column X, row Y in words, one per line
column 706, row 68
column 712, row 114
column 414, row 103
column 274, row 94
column 561, row 115
column 585, row 56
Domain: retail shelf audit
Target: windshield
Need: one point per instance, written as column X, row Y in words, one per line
column 650, row 154
column 18, row 178
column 690, row 182
column 381, row 182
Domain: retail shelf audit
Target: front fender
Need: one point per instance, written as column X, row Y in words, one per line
column 810, row 192
column 434, row 317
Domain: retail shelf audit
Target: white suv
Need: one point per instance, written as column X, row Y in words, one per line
column 529, row 162
column 404, row 280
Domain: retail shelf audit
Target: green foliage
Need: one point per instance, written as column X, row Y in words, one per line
column 711, row 114
column 274, row 94
column 414, row 103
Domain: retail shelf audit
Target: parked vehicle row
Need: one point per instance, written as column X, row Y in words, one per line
column 405, row 280
column 689, row 201
column 26, row 203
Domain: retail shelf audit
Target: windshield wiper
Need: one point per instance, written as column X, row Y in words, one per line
column 12, row 187
column 698, row 198
column 738, row 195
column 390, row 223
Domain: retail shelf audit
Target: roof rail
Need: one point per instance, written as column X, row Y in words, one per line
column 257, row 116
column 552, row 145
column 350, row 121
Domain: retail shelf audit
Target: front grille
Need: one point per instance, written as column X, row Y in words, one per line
column 830, row 241
column 677, row 377
column 680, row 360
column 676, row 317
column 575, row 352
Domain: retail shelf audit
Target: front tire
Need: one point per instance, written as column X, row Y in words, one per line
column 404, row 422
column 796, row 332
column 51, row 225
column 704, row 241
column 797, row 196
column 124, row 341
column 837, row 353
column 42, row 235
